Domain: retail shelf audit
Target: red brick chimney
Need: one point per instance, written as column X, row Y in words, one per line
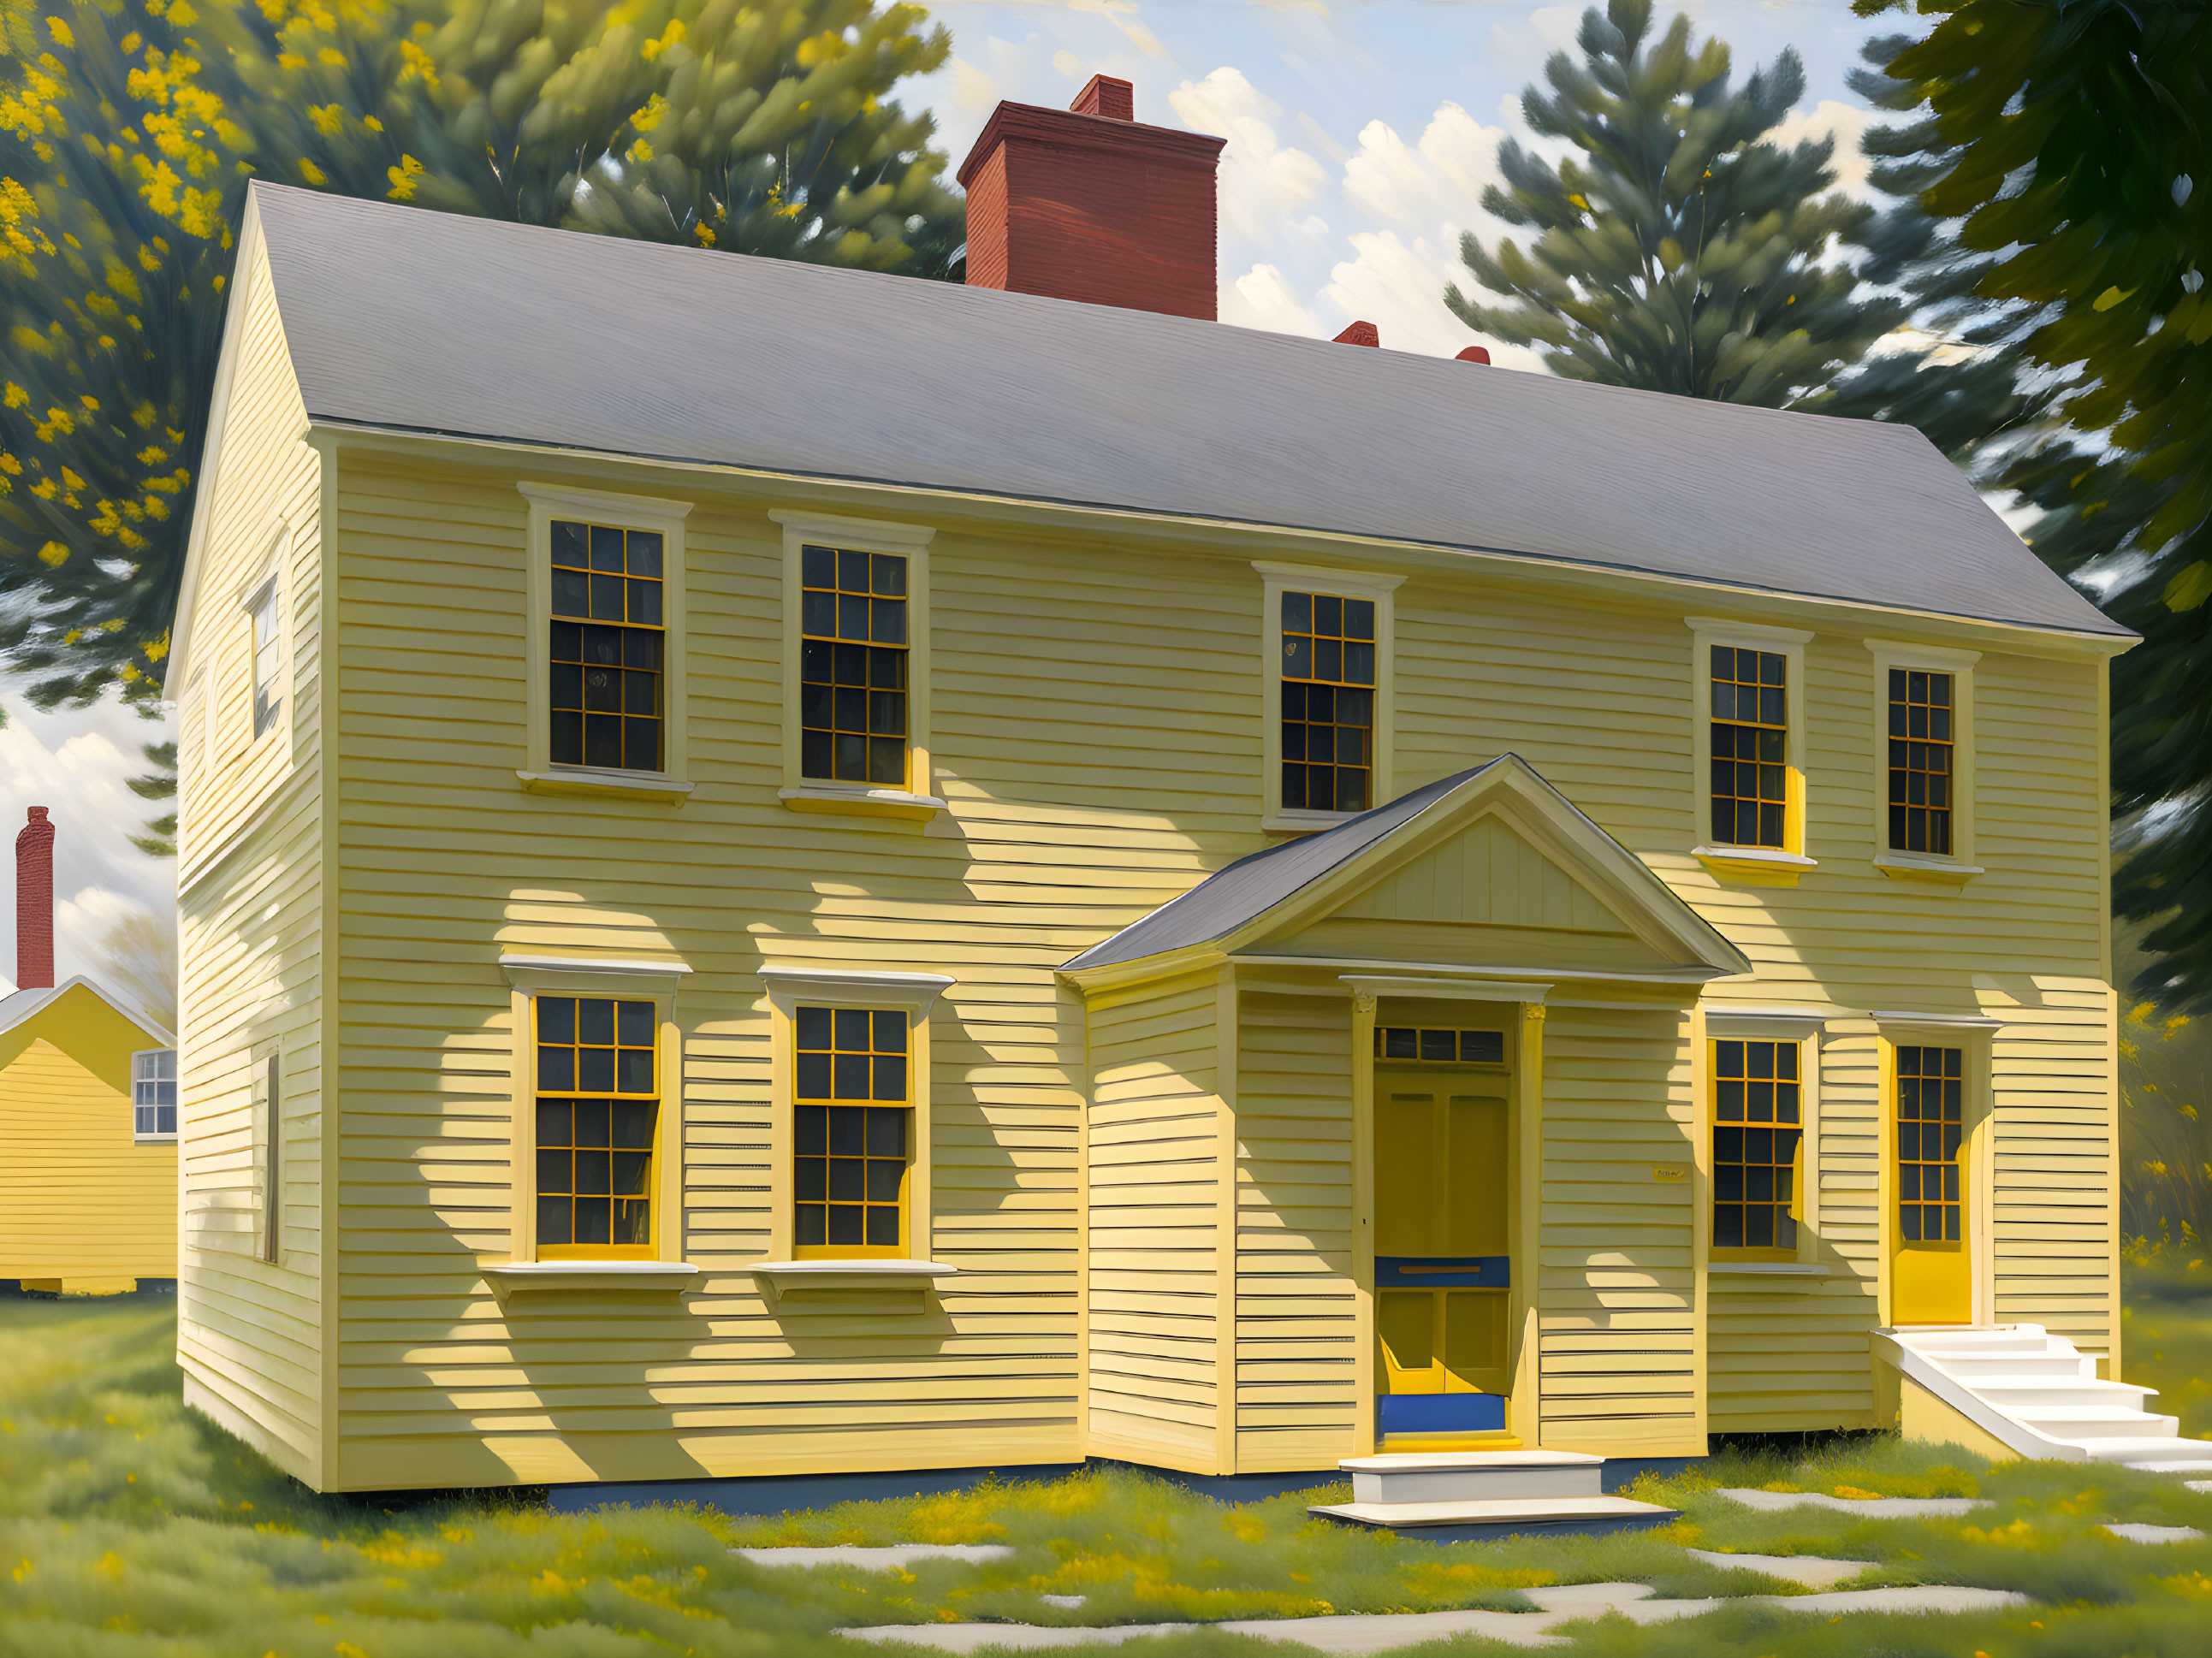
column 34, row 903
column 1089, row 203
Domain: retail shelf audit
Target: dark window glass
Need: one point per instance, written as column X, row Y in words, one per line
column 1930, row 1131
column 1750, row 731
column 608, row 649
column 1923, row 741
column 597, row 1108
column 1757, row 1112
column 1457, row 1046
column 850, row 1128
column 1328, row 702
column 853, row 666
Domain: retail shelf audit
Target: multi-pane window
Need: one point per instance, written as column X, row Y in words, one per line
column 598, row 1105
column 268, row 654
column 1922, row 733
column 851, row 1130
column 853, row 666
column 1751, row 728
column 1328, row 702
column 1930, row 1106
column 1459, row 1046
column 153, row 1093
column 610, row 646
column 1757, row 1123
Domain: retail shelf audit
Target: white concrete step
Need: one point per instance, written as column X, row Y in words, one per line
column 2032, row 1337
column 1971, row 1362
column 2083, row 1422
column 2195, row 1454
column 2014, row 1394
column 1460, row 1477
column 2179, row 1465
column 1502, row 1513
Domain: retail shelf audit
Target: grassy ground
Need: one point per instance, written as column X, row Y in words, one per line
column 127, row 1526
column 2168, row 1343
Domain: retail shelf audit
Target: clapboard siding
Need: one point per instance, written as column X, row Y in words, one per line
column 251, row 1332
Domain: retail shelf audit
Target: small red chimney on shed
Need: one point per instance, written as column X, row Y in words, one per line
column 1089, row 203
column 34, row 903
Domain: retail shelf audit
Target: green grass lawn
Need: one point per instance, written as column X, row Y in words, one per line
column 2167, row 1317
column 128, row 1526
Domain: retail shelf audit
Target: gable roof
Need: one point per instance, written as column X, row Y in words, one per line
column 1244, row 894
column 20, row 1005
column 407, row 319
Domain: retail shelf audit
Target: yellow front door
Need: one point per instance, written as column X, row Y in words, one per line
column 1931, row 1268
column 1442, row 1274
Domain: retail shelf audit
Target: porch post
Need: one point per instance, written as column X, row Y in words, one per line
column 1525, row 1316
column 1362, row 1220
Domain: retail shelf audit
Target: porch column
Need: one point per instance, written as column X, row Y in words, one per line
column 1363, row 1218
column 1527, row 1157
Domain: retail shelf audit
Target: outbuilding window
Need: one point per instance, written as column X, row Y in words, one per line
column 153, row 1094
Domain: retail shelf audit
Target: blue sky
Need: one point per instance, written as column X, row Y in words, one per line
column 1361, row 133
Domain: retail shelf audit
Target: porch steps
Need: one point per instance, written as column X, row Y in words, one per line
column 2038, row 1395
column 1446, row 1495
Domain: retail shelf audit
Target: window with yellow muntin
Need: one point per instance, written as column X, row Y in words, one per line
column 609, row 647
column 852, row 1132
column 1758, row 1150
column 1930, row 1130
column 853, row 666
column 1328, row 702
column 599, row 1119
column 1750, row 747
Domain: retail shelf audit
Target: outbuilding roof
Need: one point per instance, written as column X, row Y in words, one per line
column 405, row 318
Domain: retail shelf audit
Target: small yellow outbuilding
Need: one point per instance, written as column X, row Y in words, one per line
column 87, row 1141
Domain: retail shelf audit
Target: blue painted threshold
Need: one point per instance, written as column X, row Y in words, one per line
column 1440, row 1413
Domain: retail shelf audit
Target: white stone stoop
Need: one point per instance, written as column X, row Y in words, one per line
column 1414, row 1490
column 2042, row 1396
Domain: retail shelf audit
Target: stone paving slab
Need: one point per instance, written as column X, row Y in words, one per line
column 1814, row 1571
column 2204, row 1486
column 2139, row 1532
column 892, row 1558
column 1357, row 1635
column 1875, row 1508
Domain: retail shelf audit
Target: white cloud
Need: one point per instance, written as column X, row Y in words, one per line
column 1844, row 122
column 76, row 762
column 1261, row 298
column 1265, row 185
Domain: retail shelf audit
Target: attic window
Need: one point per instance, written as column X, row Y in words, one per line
column 268, row 655
column 1442, row 1047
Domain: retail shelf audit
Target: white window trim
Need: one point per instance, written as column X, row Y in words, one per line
column 1808, row 1031
column 529, row 976
column 270, row 574
column 1784, row 864
column 1976, row 1033
column 859, row 535
column 1275, row 580
column 266, row 1099
column 548, row 501
column 1959, row 866
column 157, row 1139
column 914, row 993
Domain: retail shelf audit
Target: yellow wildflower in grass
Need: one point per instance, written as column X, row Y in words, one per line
column 329, row 119
column 650, row 116
column 372, row 123
column 60, row 31
column 311, row 174
column 10, row 466
column 15, row 397
column 45, row 488
column 53, row 555
column 638, row 151
column 71, row 480
column 705, row 233
column 417, row 64
column 58, row 422
column 331, row 55
column 402, row 179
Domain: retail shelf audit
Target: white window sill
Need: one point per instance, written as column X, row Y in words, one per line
column 1298, row 820
column 619, row 785
column 1764, row 1269
column 784, row 1278
column 861, row 800
column 153, row 1139
column 618, row 1277
column 1919, row 866
column 1765, row 864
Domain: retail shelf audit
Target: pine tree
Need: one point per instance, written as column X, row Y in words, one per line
column 128, row 130
column 1680, row 249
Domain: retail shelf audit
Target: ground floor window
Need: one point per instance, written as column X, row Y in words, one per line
column 852, row 1131
column 598, row 1110
column 1757, row 1142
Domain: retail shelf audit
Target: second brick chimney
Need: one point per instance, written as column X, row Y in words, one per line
column 34, row 903
column 1089, row 203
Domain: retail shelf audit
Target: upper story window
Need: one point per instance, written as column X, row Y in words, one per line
column 1922, row 745
column 608, row 647
column 268, row 655
column 852, row 1131
column 1328, row 702
column 598, row 1123
column 853, row 666
column 1757, row 1139
column 153, row 1094
column 1750, row 747
column 1326, row 744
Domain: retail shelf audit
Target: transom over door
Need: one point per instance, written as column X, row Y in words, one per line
column 1441, row 1271
column 1931, row 1271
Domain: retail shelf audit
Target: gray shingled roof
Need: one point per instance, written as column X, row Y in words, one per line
column 1250, row 887
column 430, row 322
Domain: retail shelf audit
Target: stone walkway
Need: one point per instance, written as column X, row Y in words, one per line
column 893, row 1558
column 1355, row 1636
column 1813, row 1570
column 1879, row 1508
column 2139, row 1532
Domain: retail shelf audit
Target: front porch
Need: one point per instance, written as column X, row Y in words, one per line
column 1392, row 1147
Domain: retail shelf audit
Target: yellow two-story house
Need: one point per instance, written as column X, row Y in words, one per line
column 789, row 871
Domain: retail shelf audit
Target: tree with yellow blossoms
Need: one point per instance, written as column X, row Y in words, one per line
column 129, row 128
